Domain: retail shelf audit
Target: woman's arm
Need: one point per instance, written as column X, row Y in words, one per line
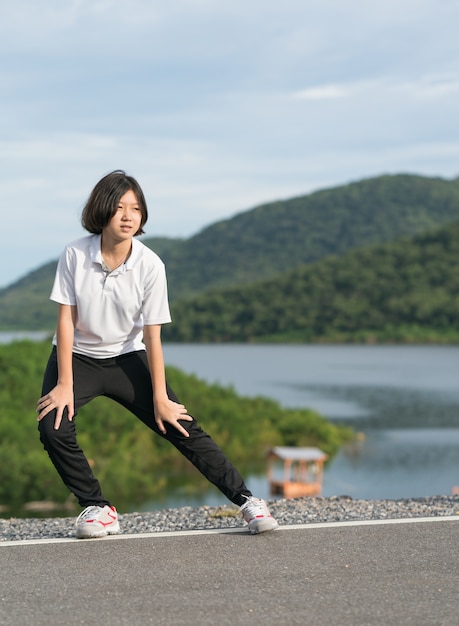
column 165, row 410
column 62, row 395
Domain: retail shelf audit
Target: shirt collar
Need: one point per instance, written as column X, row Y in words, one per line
column 94, row 249
column 96, row 254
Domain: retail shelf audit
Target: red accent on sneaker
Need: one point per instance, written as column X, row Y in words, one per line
column 260, row 517
column 114, row 519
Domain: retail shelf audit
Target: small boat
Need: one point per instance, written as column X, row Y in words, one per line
column 300, row 472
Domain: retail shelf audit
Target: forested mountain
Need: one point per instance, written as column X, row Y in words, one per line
column 269, row 240
column 274, row 238
column 25, row 305
column 398, row 291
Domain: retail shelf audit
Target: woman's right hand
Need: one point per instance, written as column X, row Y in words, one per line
column 59, row 399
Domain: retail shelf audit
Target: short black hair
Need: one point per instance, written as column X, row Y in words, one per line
column 102, row 204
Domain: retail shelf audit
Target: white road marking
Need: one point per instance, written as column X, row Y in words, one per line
column 223, row 531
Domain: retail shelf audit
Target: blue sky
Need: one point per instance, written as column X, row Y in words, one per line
column 214, row 107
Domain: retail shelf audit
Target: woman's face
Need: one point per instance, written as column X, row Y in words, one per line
column 127, row 220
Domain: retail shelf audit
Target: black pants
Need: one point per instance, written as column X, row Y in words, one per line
column 125, row 379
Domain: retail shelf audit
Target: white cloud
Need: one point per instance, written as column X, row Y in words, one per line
column 422, row 86
column 215, row 107
column 323, row 92
column 439, row 86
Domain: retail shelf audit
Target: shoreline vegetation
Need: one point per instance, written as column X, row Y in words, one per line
column 145, row 466
column 403, row 335
column 409, row 334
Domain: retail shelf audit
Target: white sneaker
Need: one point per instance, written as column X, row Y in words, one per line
column 97, row 521
column 256, row 513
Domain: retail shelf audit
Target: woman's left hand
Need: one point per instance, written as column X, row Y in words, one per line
column 171, row 412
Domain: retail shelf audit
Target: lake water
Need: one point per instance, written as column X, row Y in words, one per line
column 405, row 399
column 38, row 335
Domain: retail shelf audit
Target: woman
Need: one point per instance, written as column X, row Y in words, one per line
column 112, row 296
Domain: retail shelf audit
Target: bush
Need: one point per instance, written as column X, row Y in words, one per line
column 131, row 462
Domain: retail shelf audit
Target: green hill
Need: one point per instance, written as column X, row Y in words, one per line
column 25, row 305
column 398, row 291
column 277, row 237
column 269, row 240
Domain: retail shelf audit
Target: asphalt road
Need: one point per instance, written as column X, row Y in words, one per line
column 324, row 574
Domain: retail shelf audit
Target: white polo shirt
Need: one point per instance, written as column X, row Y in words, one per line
column 112, row 308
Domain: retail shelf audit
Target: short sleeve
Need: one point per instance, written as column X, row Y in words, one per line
column 63, row 290
column 155, row 306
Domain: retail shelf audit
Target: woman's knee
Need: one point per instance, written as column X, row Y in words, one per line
column 196, row 435
column 49, row 436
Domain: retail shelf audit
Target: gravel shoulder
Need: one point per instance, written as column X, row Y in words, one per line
column 294, row 511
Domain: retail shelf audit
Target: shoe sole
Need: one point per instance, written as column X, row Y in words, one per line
column 263, row 526
column 87, row 533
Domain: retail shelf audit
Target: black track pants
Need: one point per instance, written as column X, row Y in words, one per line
column 125, row 379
